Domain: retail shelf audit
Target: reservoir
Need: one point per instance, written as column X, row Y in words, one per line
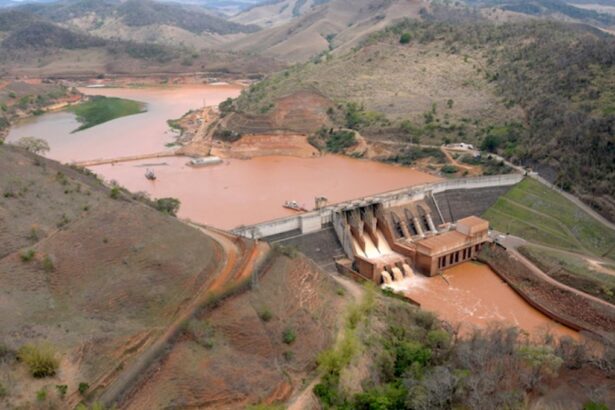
column 237, row 192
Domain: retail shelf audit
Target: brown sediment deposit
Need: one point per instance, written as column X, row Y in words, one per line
column 263, row 145
column 242, row 192
column 472, row 295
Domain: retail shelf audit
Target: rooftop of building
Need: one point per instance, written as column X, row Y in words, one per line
column 444, row 241
column 473, row 221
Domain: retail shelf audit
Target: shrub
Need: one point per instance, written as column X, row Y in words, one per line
column 288, row 355
column 3, row 391
column 41, row 395
column 265, row 315
column 114, row 193
column 226, row 106
column 227, row 135
column 595, row 406
column 405, row 38
column 34, row 145
column 47, row 264
column 438, row 339
column 41, row 359
column 338, row 141
column 201, row 332
column 27, row 256
column 168, row 206
column 83, row 388
column 62, row 389
column 449, row 169
column 289, row 336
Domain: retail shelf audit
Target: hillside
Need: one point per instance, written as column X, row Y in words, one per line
column 135, row 13
column 276, row 12
column 96, row 276
column 32, row 44
column 338, row 24
column 171, row 24
column 107, row 287
column 492, row 85
column 550, row 9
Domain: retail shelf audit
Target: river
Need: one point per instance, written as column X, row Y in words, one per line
column 473, row 296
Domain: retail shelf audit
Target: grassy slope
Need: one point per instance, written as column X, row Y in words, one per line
column 102, row 109
column 538, row 214
column 574, row 271
column 106, row 276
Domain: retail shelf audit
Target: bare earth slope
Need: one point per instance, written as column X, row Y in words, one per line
column 235, row 355
column 103, row 279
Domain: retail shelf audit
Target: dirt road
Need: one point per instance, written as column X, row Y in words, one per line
column 240, row 259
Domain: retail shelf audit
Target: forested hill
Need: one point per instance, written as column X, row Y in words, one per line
column 541, row 93
column 138, row 13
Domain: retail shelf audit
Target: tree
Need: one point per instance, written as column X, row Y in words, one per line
column 405, row 38
column 168, row 206
column 36, row 146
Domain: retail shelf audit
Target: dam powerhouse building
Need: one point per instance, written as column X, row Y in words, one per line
column 386, row 237
column 388, row 244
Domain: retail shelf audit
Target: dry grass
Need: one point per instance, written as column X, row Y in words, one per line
column 116, row 274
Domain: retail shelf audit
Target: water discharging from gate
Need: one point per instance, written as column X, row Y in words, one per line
column 475, row 297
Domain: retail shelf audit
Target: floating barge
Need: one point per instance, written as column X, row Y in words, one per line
column 204, row 161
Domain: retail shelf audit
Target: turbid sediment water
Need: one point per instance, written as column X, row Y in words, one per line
column 243, row 192
column 474, row 296
column 132, row 135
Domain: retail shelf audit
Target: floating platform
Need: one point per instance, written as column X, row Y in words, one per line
column 204, row 161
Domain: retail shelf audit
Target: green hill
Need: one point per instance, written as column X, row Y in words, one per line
column 538, row 92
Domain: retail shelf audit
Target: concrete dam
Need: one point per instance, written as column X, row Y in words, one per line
column 387, row 237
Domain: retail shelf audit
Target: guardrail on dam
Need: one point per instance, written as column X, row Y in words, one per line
column 314, row 221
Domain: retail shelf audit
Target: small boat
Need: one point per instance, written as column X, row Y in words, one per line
column 149, row 174
column 294, row 206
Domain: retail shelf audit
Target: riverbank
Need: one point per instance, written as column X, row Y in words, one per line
column 556, row 301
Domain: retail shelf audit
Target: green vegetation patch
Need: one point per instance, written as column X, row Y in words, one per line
column 102, row 109
column 41, row 359
column 408, row 156
column 575, row 271
column 539, row 214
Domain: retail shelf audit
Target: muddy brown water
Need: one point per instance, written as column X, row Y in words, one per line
column 475, row 297
column 243, row 192
column 132, row 135
column 235, row 193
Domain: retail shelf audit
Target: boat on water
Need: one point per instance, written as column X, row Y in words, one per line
column 149, row 174
column 204, row 161
column 294, row 206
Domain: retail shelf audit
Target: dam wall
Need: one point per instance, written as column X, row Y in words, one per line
column 316, row 220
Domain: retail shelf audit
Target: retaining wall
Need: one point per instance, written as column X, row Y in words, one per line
column 315, row 220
